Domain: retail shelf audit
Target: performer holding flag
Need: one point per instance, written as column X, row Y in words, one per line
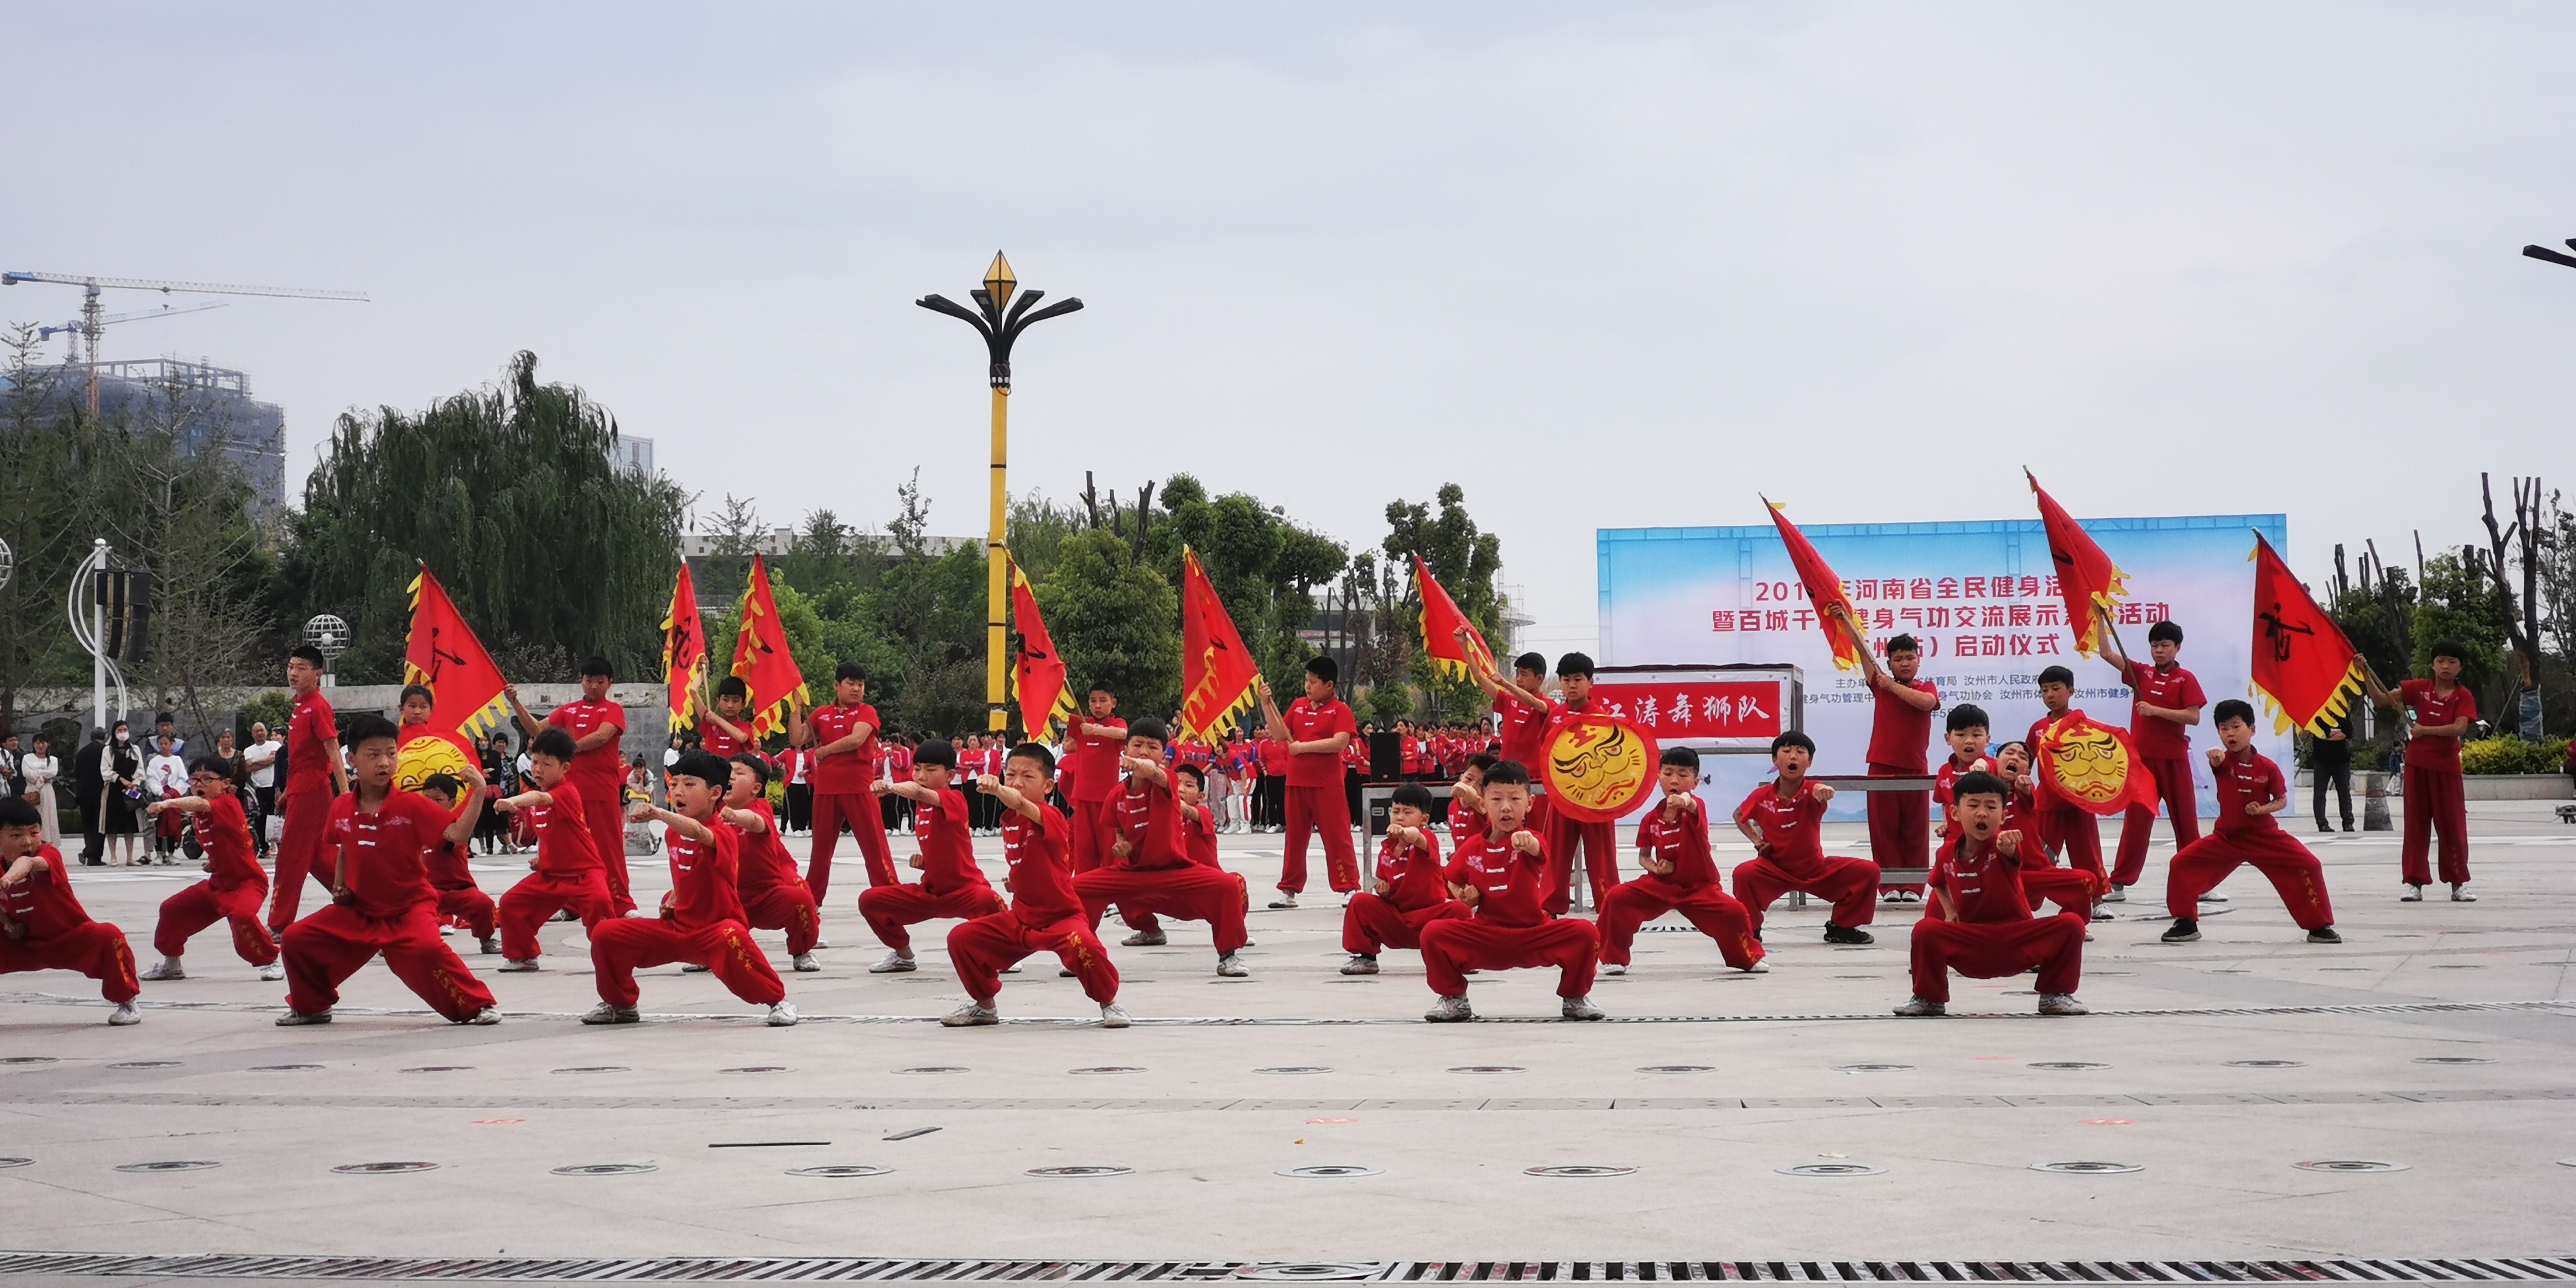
column 1039, row 675
column 684, row 655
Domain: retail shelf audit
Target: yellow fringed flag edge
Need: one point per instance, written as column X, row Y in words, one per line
column 482, row 723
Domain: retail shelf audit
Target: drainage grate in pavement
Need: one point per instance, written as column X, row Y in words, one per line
column 145, row 1064
column 172, row 1165
column 2087, row 1168
column 22, row 1162
column 605, row 1169
column 1295, row 1068
column 1830, row 1169
column 2349, row 1165
column 1487, row 1068
column 284, row 1068
column 2452, row 1059
column 26, row 1059
column 2267, row 1064
column 1578, row 1171
column 1331, row 1171
column 936, row 1068
column 595, row 1068
column 757, row 1068
column 1871, row 1068
column 383, row 1169
column 1079, row 1172
column 837, row 1170
column 440, row 1068
column 2068, row 1064
column 1678, row 1068
column 1109, row 1068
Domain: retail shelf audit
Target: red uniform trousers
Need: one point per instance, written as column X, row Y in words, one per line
column 1996, row 949
column 1141, row 920
column 1095, row 829
column 1192, row 893
column 1600, row 843
column 540, row 895
column 201, row 905
column 1454, row 946
column 623, row 945
column 790, row 908
column 2076, row 837
column 1634, row 903
column 1900, row 826
column 328, row 947
column 1328, row 810
column 981, row 948
column 2173, row 787
column 2288, row 865
column 888, row 909
column 2434, row 804
column 1851, row 885
column 299, row 847
column 867, row 822
column 1373, row 924
column 2071, row 889
column 470, row 905
column 606, row 817
column 93, row 948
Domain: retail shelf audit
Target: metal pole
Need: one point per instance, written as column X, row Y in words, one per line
column 97, row 636
column 997, row 572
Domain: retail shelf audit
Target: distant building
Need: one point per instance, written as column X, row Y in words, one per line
column 699, row 547
column 215, row 410
column 634, row 453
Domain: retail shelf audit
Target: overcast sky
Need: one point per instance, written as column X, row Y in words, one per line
column 1602, row 264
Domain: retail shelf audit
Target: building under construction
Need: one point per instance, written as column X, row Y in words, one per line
column 209, row 408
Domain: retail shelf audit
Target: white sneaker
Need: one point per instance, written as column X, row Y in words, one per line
column 1145, row 939
column 488, row 946
column 446, row 932
column 1761, row 966
column 1450, row 1010
column 124, row 1014
column 2460, row 893
column 1918, row 1006
column 803, row 963
column 1613, row 968
column 273, row 971
column 488, row 1015
column 2414, row 894
column 970, row 1016
column 168, row 969
column 1360, row 964
column 2118, row 894
column 782, row 1013
column 610, row 1013
column 1284, row 901
column 519, row 966
column 2061, row 1004
column 1114, row 1016
column 294, row 1018
column 894, row 964
column 1579, row 1008
column 1232, row 967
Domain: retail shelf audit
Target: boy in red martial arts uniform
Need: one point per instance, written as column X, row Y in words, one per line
column 952, row 884
column 1411, row 889
column 1967, row 734
column 2443, row 711
column 43, row 927
column 381, row 900
column 1900, row 731
column 1501, row 875
column 701, row 918
column 1523, row 714
column 1315, row 728
column 1680, row 874
column 598, row 777
column 1092, row 745
column 2165, row 702
column 722, row 732
column 1149, row 871
column 2065, row 829
column 1782, row 818
column 1199, row 827
column 451, row 873
column 845, row 763
column 314, row 773
column 1985, row 929
column 774, row 896
column 235, row 884
column 2250, row 791
column 1045, row 913
column 568, row 873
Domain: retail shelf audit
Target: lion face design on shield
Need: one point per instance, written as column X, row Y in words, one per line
column 1596, row 764
column 426, row 756
column 2090, row 765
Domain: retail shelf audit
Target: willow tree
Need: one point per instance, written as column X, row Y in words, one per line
column 513, row 493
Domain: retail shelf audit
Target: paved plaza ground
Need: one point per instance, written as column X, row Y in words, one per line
column 2440, row 1038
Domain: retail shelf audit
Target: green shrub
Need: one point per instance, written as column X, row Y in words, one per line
column 2513, row 756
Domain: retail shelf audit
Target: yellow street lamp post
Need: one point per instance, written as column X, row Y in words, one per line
column 999, row 318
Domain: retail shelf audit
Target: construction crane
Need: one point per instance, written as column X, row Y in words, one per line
column 94, row 318
column 72, row 329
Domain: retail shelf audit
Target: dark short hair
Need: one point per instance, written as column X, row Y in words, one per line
column 367, row 727
column 2232, row 709
column 1324, row 668
column 1100, row 686
column 597, row 665
column 1574, row 664
column 1483, row 762
column 216, row 765
column 308, row 653
column 553, row 742
column 1979, row 783
column 2025, row 747
column 849, row 671
column 422, row 690
column 935, row 751
column 1903, row 644
column 1037, row 752
column 1149, row 727
column 732, row 687
column 2167, row 629
column 705, row 766
column 446, row 784
column 1534, row 663
column 1413, row 794
column 1505, row 773
column 1968, row 715
column 2057, row 675
column 18, row 811
column 1793, row 738
column 759, row 766
column 165, row 718
column 2451, row 649
column 1682, row 757
column 1197, row 775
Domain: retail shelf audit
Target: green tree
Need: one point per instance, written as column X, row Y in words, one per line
column 2460, row 603
column 1264, row 567
column 1466, row 562
column 1114, row 620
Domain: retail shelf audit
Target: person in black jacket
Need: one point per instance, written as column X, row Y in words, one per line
column 87, row 785
column 2330, row 761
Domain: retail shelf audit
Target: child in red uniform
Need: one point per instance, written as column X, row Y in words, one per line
column 1900, row 731
column 1501, row 875
column 701, row 919
column 2063, row 828
column 1315, row 728
column 774, row 896
column 314, row 773
column 845, row 760
column 1410, row 890
column 235, row 884
column 1985, row 929
column 43, row 927
column 381, row 901
column 1967, row 734
column 1149, row 871
column 2250, row 791
column 1680, row 874
column 1781, row 818
column 451, row 873
column 598, row 772
column 1599, row 840
column 1091, row 749
column 2166, row 701
column 568, row 873
column 1199, row 828
column 2444, row 711
column 2071, row 889
column 1045, row 913
column 1467, row 799
column 952, row 884
column 722, row 732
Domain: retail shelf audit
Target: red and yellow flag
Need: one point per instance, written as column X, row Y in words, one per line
column 1038, row 676
column 1217, row 672
column 443, row 656
column 1824, row 589
column 684, row 650
column 2304, row 666
column 2085, row 575
column 1441, row 620
column 2093, row 766
column 762, row 659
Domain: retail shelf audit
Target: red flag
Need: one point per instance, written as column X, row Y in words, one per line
column 1441, row 621
column 1217, row 671
column 2305, row 668
column 1824, row 589
column 684, row 649
column 2087, row 576
column 464, row 684
column 1039, row 674
column 2093, row 766
column 762, row 658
